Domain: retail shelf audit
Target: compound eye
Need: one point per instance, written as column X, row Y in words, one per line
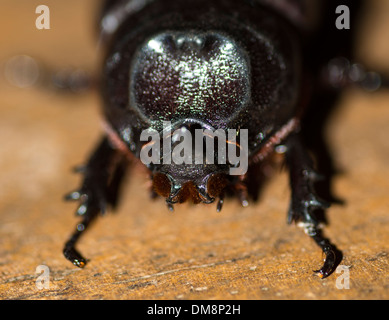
column 216, row 185
column 162, row 185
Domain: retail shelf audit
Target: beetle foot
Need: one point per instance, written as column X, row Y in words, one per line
column 305, row 203
column 92, row 201
column 74, row 256
column 69, row 251
column 328, row 266
column 301, row 211
column 332, row 255
column 100, row 187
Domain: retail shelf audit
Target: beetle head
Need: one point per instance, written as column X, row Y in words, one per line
column 195, row 178
column 189, row 74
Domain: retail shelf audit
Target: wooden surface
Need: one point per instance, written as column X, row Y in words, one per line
column 145, row 252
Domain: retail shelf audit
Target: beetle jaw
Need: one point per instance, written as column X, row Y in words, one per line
column 198, row 190
column 189, row 192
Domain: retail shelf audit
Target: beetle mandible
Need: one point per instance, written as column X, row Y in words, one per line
column 214, row 64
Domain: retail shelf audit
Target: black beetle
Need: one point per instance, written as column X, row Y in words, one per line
column 214, row 64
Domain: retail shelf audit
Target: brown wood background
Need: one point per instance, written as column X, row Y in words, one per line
column 145, row 252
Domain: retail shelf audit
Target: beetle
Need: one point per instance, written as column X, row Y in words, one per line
column 218, row 65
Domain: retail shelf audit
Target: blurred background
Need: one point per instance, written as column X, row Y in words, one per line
column 144, row 252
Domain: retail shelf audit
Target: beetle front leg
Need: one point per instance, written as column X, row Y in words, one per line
column 98, row 189
column 305, row 202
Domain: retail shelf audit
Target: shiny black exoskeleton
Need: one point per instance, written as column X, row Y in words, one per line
column 214, row 64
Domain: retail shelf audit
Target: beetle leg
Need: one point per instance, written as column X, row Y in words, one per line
column 305, row 201
column 102, row 176
column 340, row 72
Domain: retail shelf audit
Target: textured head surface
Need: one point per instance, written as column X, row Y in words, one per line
column 193, row 74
